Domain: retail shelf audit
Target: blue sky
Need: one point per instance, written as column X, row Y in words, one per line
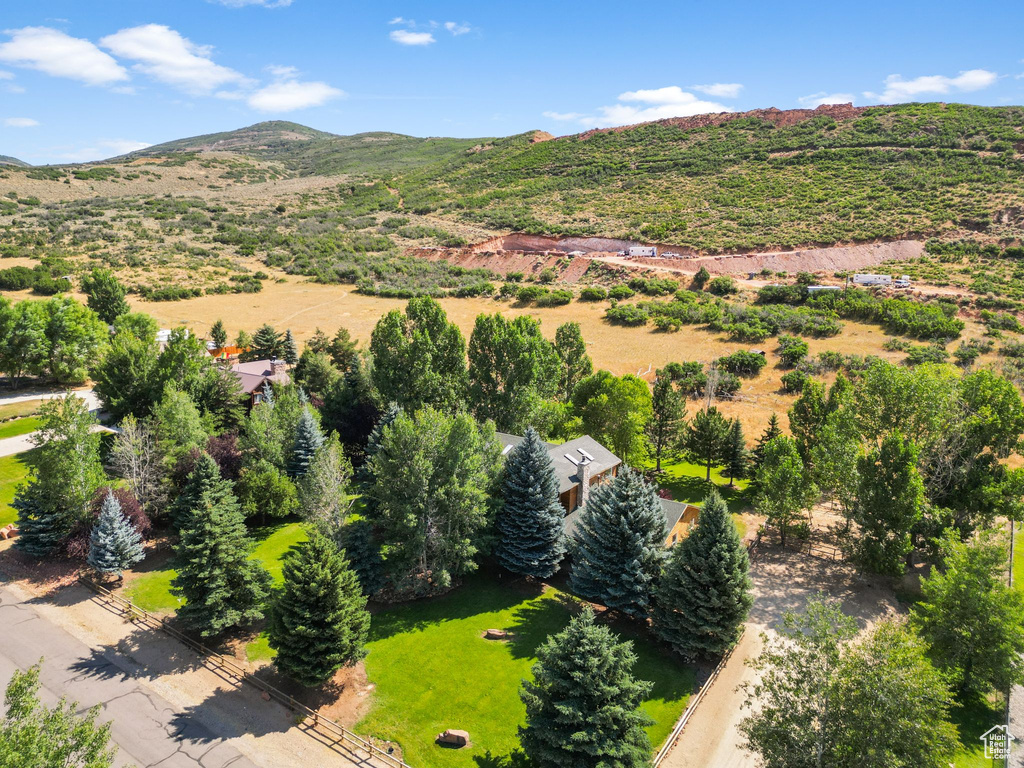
column 87, row 79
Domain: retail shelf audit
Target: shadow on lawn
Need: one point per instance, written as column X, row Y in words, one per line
column 514, row 759
column 535, row 621
column 477, row 595
column 693, row 490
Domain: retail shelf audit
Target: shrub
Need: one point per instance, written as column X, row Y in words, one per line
column 626, row 314
column 932, row 353
column 556, row 298
column 547, row 275
column 529, row 293
column 722, row 286
column 792, row 350
column 794, row 381
column 620, row 292
column 593, row 293
column 743, row 363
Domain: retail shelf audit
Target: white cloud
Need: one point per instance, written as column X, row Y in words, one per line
column 163, row 54
column 60, row 55
column 408, row 37
column 100, row 150
column 401, row 20
column 289, row 95
column 564, row 116
column 20, row 122
column 457, row 29
column 662, row 103
column 822, row 97
column 4, row 75
column 720, row 90
column 899, row 90
column 264, row 3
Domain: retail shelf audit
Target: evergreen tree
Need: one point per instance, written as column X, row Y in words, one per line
column 619, row 545
column 325, row 493
column 583, row 704
column 363, row 552
column 105, row 295
column 265, row 344
column 289, row 349
column 387, row 418
column 668, row 411
column 735, row 453
column 114, row 545
column 222, row 587
column 772, row 431
column 203, row 479
column 308, row 439
column 703, row 598
column 706, row 438
column 529, row 524
column 218, row 334
column 318, row 622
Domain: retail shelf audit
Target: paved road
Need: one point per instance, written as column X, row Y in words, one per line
column 149, row 731
column 12, row 445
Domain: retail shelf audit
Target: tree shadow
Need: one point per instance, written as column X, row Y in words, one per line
column 514, row 759
column 221, row 707
column 535, row 621
column 147, row 653
column 477, row 595
column 693, row 490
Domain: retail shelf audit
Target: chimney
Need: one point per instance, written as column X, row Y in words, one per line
column 583, row 470
column 277, row 366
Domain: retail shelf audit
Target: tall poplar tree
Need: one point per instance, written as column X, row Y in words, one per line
column 668, row 411
column 530, row 521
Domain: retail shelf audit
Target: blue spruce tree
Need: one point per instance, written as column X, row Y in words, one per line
column 618, row 545
column 530, row 522
column 114, row 545
column 703, row 597
column 308, row 439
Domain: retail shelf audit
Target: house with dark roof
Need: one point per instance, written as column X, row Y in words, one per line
column 255, row 375
column 583, row 463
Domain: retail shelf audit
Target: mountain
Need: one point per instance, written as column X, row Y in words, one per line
column 309, row 151
column 8, row 160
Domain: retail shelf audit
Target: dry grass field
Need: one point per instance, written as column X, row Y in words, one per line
column 304, row 306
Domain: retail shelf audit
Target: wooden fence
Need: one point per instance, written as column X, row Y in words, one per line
column 359, row 747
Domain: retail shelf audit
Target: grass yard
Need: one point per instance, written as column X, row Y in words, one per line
column 433, row 670
column 13, row 469
column 17, row 427
column 151, row 589
column 972, row 720
column 686, row 483
column 18, row 410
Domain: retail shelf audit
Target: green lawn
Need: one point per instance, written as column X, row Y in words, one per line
column 13, row 469
column 17, row 427
column 433, row 670
column 17, row 410
column 972, row 720
column 686, row 483
column 151, row 591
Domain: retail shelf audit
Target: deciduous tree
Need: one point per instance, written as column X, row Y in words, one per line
column 707, row 437
column 615, row 410
column 576, row 363
column 668, row 411
column 784, row 490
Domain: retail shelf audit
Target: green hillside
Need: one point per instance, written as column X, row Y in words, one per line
column 309, row 151
column 8, row 160
column 753, row 182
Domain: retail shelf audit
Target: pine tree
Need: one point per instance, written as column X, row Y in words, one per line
column 619, row 544
column 703, row 598
column 222, row 587
column 204, row 478
column 735, row 453
column 264, row 345
column 114, row 545
column 772, row 431
column 706, row 438
column 363, row 552
column 289, row 349
column 667, row 419
column 583, row 704
column 530, row 522
column 318, row 622
column 308, row 439
column 387, row 418
column 218, row 335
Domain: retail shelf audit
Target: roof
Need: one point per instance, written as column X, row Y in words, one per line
column 602, row 459
column 251, row 375
column 672, row 510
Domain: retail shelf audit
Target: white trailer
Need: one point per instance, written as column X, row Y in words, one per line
column 872, row 279
column 636, row 251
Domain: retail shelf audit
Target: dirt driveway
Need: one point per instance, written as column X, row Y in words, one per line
column 783, row 582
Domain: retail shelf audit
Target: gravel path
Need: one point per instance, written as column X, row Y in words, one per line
column 1017, row 727
column 783, row 582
